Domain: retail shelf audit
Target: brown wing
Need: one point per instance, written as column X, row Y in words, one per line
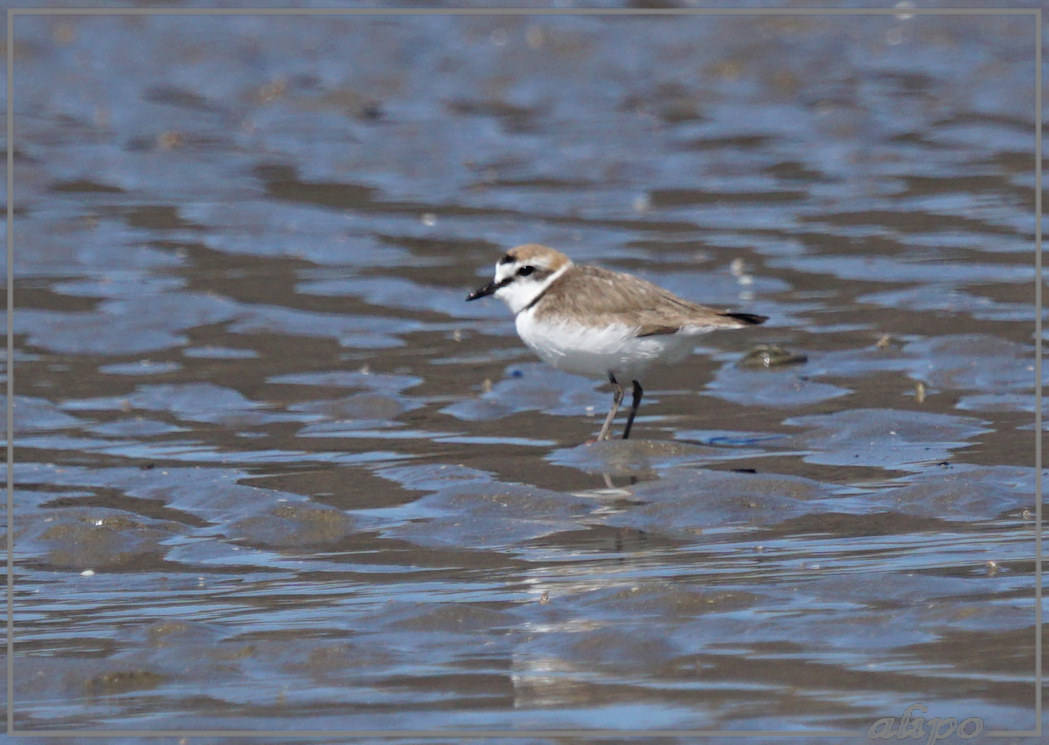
column 623, row 298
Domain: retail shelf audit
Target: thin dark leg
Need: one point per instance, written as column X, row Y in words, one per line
column 638, row 393
column 617, row 399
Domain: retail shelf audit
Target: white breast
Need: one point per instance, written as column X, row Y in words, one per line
column 595, row 351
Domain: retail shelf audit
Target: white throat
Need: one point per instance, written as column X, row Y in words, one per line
column 522, row 293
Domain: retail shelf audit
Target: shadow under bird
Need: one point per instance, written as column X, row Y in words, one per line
column 598, row 323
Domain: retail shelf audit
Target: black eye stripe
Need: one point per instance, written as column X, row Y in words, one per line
column 525, row 271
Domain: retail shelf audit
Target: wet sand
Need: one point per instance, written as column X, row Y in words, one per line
column 273, row 473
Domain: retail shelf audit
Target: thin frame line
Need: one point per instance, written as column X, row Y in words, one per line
column 1038, row 372
column 586, row 733
column 528, row 11
column 453, row 733
column 10, row 671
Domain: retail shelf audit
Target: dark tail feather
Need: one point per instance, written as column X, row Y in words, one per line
column 751, row 319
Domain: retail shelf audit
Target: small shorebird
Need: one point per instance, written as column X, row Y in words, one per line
column 591, row 321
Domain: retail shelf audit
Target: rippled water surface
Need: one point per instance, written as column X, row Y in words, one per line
column 272, row 472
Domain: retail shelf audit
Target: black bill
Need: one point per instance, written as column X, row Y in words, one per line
column 487, row 290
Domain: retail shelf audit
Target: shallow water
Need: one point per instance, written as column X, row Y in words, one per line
column 273, row 473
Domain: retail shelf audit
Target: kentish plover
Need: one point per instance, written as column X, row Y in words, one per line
column 594, row 322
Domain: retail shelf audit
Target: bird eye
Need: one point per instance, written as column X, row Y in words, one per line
column 525, row 271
